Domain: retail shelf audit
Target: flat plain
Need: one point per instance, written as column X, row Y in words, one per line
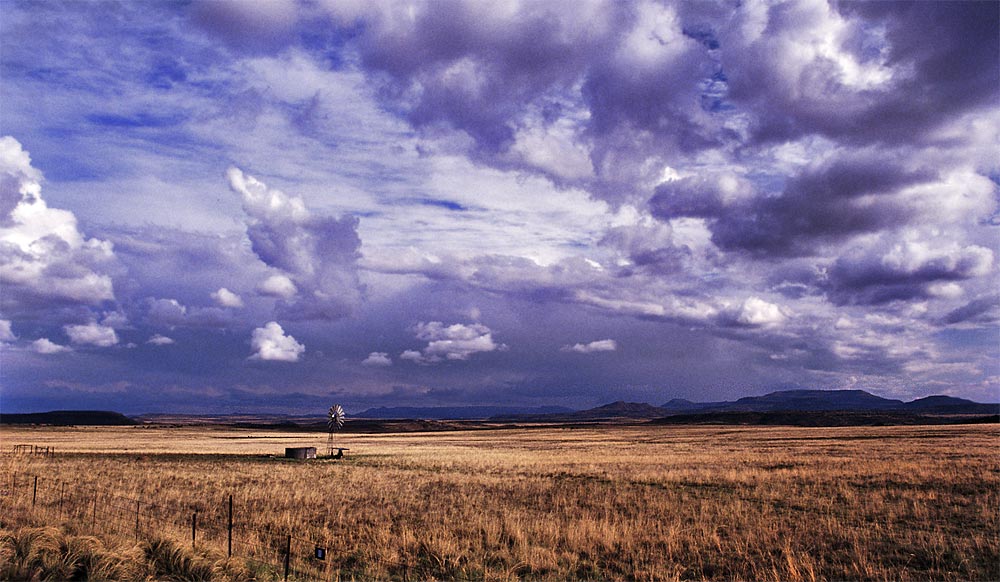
column 629, row 502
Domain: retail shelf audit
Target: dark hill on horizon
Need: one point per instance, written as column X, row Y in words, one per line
column 824, row 418
column 69, row 418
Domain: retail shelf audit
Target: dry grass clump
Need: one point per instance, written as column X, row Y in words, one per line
column 50, row 553
column 609, row 503
column 57, row 554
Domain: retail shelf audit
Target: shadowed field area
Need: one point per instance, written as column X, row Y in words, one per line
column 612, row 502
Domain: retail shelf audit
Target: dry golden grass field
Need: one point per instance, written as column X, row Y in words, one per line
column 600, row 503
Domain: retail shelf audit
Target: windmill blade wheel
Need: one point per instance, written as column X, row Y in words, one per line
column 335, row 421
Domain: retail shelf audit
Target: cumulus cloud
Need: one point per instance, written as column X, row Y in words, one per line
column 450, row 342
column 6, row 333
column 226, row 298
column 43, row 255
column 46, row 346
column 318, row 255
column 270, row 343
column 607, row 345
column 92, row 333
column 277, row 286
column 755, row 312
column 377, row 359
column 160, row 340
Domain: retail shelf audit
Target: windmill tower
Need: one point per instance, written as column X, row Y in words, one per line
column 334, row 421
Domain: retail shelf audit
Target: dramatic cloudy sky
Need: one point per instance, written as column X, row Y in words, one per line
column 233, row 206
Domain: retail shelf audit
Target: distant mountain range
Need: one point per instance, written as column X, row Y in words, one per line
column 804, row 401
column 788, row 407
column 457, row 412
column 834, row 400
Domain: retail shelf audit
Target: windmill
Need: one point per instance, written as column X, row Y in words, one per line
column 334, row 421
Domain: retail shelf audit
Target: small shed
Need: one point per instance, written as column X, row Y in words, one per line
column 300, row 452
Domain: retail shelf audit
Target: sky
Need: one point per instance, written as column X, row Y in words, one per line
column 223, row 206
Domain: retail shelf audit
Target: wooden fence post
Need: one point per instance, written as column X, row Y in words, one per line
column 230, row 526
column 34, row 492
column 288, row 554
column 194, row 527
column 62, row 493
column 93, row 520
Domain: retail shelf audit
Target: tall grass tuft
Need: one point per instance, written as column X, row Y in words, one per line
column 49, row 553
column 173, row 562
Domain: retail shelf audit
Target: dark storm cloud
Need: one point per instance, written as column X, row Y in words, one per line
column 696, row 196
column 929, row 62
column 253, row 27
column 452, row 65
column 624, row 81
column 982, row 310
column 903, row 271
column 828, row 202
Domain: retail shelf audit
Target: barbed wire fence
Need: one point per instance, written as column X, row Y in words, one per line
column 214, row 525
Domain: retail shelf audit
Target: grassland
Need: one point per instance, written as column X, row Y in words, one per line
column 617, row 503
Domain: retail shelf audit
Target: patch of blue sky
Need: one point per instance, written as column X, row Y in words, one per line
column 768, row 182
column 704, row 35
column 165, row 74
column 978, row 338
column 69, row 168
column 446, row 204
column 135, row 120
column 713, row 93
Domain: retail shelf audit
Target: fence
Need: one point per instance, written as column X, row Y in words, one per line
column 34, row 450
column 213, row 526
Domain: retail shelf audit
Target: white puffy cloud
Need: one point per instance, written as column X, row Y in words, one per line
column 606, row 345
column 43, row 254
column 756, row 312
column 46, row 346
column 160, row 340
column 377, row 359
column 270, row 343
column 93, row 334
column 227, row 298
column 277, row 286
column 168, row 312
column 6, row 333
column 452, row 342
column 318, row 254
